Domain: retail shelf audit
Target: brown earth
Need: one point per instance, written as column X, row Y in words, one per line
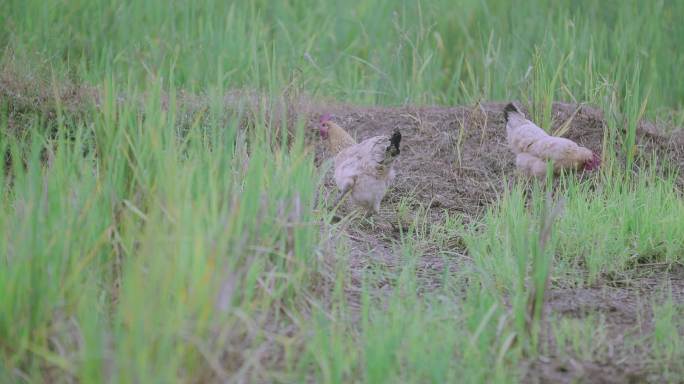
column 457, row 158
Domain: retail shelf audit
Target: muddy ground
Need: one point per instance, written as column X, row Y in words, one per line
column 457, row 160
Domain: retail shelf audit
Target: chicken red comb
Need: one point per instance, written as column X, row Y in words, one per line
column 324, row 117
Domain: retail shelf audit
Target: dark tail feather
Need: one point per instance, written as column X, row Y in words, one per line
column 393, row 148
column 510, row 108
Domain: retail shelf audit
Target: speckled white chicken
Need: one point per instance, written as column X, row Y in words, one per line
column 533, row 147
column 364, row 170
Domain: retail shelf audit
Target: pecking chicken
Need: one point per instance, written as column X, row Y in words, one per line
column 534, row 147
column 364, row 170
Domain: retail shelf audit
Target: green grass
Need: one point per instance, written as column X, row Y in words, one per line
column 141, row 244
column 366, row 52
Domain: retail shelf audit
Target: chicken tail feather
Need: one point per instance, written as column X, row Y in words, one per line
column 393, row 148
column 510, row 108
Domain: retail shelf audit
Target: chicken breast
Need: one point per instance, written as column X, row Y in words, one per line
column 366, row 170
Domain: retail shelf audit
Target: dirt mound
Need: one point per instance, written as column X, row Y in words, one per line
column 458, row 159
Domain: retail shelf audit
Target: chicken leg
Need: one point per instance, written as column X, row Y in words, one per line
column 341, row 196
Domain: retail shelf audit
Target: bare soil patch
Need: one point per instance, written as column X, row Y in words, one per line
column 621, row 351
column 457, row 157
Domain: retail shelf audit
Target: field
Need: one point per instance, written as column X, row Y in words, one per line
column 165, row 199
